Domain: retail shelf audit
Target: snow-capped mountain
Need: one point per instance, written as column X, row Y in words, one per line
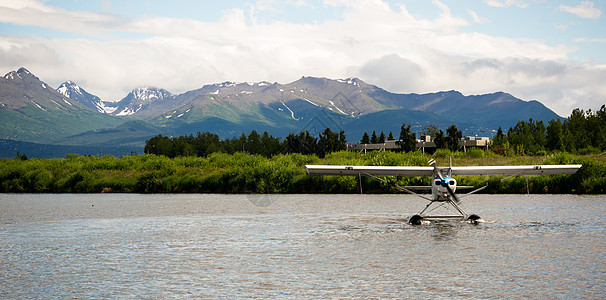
column 20, row 89
column 139, row 101
column 31, row 110
column 71, row 90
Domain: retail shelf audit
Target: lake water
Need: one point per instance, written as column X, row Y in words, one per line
column 298, row 246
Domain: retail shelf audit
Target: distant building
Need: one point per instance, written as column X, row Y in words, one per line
column 425, row 144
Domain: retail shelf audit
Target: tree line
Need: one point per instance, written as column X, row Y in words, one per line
column 408, row 138
column 583, row 132
column 206, row 143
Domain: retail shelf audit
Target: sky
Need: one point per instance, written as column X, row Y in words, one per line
column 553, row 51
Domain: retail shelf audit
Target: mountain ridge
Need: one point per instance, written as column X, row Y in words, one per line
column 30, row 110
column 70, row 115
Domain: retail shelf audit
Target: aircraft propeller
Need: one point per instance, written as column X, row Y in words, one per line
column 452, row 194
column 450, row 191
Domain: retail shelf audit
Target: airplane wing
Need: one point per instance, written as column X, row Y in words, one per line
column 428, row 171
column 515, row 170
column 374, row 170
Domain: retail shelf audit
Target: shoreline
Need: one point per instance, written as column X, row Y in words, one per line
column 243, row 173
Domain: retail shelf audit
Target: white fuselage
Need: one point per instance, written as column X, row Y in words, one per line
column 439, row 188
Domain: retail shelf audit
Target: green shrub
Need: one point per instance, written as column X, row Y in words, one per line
column 589, row 150
column 475, row 153
column 442, row 153
column 284, row 173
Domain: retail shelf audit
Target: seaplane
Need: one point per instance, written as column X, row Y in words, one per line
column 443, row 184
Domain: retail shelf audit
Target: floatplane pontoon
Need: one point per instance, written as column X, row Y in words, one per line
column 443, row 185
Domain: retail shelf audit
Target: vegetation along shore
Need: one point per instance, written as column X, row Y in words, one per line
column 261, row 163
column 242, row 172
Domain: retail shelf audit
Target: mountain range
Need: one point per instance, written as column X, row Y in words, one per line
column 37, row 119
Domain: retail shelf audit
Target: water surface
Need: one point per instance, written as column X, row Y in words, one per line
column 225, row 246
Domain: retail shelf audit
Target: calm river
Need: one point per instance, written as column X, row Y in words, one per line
column 287, row 246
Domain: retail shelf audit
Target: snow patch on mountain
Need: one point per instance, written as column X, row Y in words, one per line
column 351, row 81
column 71, row 90
column 311, row 102
column 292, row 113
column 107, row 108
column 128, row 111
column 38, row 105
column 149, row 94
column 333, row 104
column 11, row 75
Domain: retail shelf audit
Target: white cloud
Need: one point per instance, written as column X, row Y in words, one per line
column 506, row 3
column 585, row 9
column 386, row 46
column 476, row 18
column 590, row 40
column 33, row 12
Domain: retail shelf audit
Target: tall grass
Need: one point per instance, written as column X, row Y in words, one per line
column 284, row 173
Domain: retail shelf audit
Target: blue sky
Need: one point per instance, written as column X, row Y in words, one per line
column 551, row 51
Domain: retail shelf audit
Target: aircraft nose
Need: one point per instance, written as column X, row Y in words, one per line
column 447, row 181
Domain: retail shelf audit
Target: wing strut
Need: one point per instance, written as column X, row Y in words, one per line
column 401, row 188
column 474, row 191
column 481, row 188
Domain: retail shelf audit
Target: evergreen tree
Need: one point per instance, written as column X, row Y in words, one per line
column 390, row 137
column 453, row 138
column 381, row 137
column 159, row 145
column 538, row 134
column 499, row 139
column 253, row 143
column 328, row 142
column 408, row 141
column 555, row 140
column 271, row 145
column 568, row 138
column 596, row 121
column 365, row 139
column 373, row 138
column 309, row 144
column 520, row 137
column 240, row 144
column 205, row 143
column 527, row 137
column 342, row 140
column 303, row 143
column 440, row 140
column 577, row 124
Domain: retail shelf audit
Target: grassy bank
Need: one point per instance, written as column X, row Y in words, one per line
column 246, row 173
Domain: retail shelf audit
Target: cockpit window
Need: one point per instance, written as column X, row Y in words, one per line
column 451, row 182
column 437, row 182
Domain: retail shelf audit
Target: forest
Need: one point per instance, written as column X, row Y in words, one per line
column 203, row 144
column 582, row 133
column 260, row 163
